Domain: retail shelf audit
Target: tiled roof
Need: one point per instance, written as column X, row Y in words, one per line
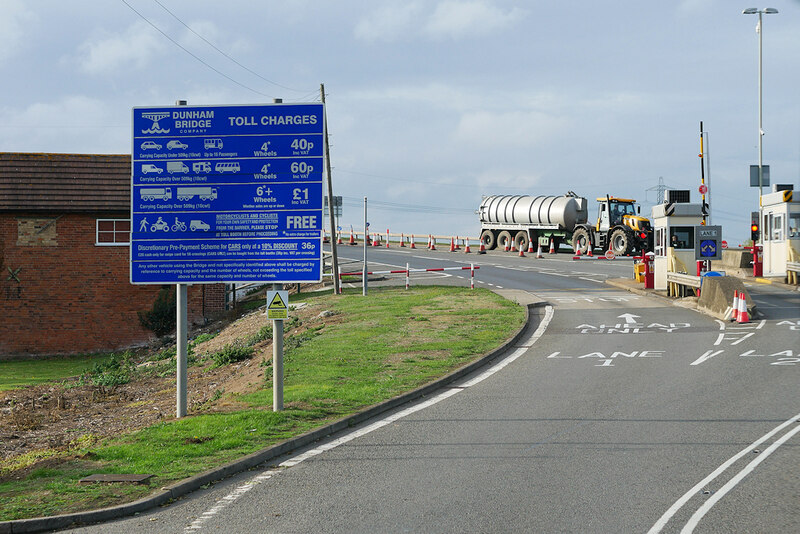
column 65, row 182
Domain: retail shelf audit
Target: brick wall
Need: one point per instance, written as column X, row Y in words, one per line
column 61, row 294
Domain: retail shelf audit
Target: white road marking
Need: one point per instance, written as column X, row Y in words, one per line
column 664, row 519
column 706, row 356
column 240, row 490
column 703, row 510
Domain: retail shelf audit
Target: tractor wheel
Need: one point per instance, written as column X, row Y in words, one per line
column 581, row 240
column 621, row 242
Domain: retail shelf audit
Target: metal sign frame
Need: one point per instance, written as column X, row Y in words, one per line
column 707, row 242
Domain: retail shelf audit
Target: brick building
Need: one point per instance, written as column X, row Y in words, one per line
column 64, row 257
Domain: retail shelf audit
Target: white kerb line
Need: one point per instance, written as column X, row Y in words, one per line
column 240, row 490
column 664, row 519
column 703, row 510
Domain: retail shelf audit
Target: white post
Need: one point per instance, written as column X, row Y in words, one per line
column 407, row 276
column 364, row 267
column 277, row 360
column 182, row 336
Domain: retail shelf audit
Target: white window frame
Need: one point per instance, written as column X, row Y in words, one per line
column 777, row 227
column 97, row 242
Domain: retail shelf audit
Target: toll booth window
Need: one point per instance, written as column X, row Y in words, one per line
column 766, row 228
column 660, row 248
column 794, row 226
column 777, row 228
column 681, row 237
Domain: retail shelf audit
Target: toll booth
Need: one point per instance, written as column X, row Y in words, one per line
column 780, row 230
column 674, row 239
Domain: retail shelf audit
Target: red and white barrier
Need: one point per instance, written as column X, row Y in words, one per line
column 407, row 271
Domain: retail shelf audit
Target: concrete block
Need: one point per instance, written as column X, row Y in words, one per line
column 716, row 295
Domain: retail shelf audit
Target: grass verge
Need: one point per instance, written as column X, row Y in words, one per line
column 20, row 373
column 384, row 345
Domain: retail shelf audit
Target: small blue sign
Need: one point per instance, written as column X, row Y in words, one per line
column 227, row 194
column 708, row 248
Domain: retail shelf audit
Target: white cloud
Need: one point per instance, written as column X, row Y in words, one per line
column 455, row 18
column 133, row 48
column 12, row 26
column 449, row 19
column 388, row 22
column 509, row 129
column 73, row 123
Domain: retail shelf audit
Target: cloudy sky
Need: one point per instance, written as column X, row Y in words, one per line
column 433, row 103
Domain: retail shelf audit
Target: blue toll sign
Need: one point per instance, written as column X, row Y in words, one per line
column 227, row 194
column 708, row 249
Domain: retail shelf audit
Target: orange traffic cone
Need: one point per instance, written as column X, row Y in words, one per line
column 743, row 316
column 735, row 306
column 452, row 245
column 339, row 239
column 376, row 240
column 539, row 251
column 552, row 247
column 521, row 253
column 466, row 247
column 412, row 242
column 402, row 240
column 505, row 247
column 433, row 243
column 352, row 237
column 530, row 246
column 482, row 249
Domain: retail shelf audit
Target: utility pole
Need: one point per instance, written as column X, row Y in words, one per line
column 334, row 253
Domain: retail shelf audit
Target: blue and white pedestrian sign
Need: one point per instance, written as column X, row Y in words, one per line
column 227, row 194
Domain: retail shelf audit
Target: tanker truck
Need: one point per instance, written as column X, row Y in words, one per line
column 520, row 219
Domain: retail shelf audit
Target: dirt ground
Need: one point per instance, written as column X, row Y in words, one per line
column 57, row 417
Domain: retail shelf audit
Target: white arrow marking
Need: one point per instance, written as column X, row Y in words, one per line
column 629, row 318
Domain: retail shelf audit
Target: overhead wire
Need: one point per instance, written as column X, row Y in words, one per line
column 212, row 45
column 173, row 41
column 413, row 208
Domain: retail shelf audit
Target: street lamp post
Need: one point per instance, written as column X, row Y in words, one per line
column 759, row 12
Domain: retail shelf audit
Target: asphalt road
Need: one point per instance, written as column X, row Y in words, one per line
column 619, row 413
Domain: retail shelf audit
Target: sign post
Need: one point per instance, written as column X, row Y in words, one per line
column 227, row 194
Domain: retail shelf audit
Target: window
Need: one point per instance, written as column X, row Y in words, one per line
column 794, row 226
column 777, row 228
column 660, row 248
column 766, row 228
column 113, row 232
column 681, row 237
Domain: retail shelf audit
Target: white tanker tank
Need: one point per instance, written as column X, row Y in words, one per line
column 556, row 212
column 513, row 221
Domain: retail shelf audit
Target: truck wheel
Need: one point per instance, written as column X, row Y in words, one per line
column 521, row 240
column 581, row 240
column 504, row 239
column 621, row 242
column 488, row 240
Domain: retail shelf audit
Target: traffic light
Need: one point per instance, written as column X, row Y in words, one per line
column 754, row 234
